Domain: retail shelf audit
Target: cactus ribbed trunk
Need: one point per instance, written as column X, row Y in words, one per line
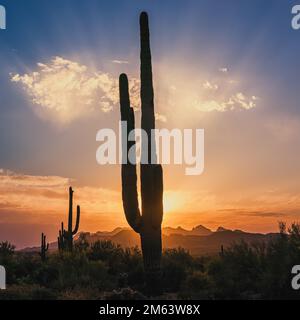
column 152, row 252
column 148, row 225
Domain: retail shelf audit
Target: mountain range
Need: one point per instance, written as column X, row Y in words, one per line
column 199, row 240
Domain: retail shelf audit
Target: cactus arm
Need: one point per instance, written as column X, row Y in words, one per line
column 77, row 221
column 129, row 175
column 130, row 199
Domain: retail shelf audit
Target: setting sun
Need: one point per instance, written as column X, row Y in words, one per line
column 173, row 201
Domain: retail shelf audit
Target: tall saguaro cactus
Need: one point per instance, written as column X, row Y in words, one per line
column 65, row 239
column 44, row 247
column 147, row 224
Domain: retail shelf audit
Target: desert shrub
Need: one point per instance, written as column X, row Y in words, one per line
column 81, row 243
column 46, row 274
column 124, row 294
column 258, row 271
column 80, row 293
column 132, row 272
column 109, row 252
column 175, row 266
column 238, row 271
column 197, row 286
column 27, row 292
column 75, row 270
column 282, row 254
column 104, row 250
column 107, row 271
column 6, row 249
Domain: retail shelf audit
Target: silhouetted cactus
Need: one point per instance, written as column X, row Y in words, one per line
column 44, row 247
column 65, row 239
column 61, row 243
column 222, row 251
column 148, row 225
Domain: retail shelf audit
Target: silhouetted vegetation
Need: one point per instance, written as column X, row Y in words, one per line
column 104, row 270
column 44, row 247
column 148, row 222
column 65, row 237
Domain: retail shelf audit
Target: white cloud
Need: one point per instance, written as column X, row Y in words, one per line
column 209, row 105
column 10, row 179
column 63, row 90
column 160, row 117
column 210, row 86
column 236, row 101
column 120, row 61
column 223, row 69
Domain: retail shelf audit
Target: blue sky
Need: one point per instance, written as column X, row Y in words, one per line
column 250, row 37
column 250, row 110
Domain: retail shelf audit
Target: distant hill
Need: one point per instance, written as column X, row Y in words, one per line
column 200, row 240
column 196, row 231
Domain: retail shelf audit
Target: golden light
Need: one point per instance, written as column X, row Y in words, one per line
column 173, row 201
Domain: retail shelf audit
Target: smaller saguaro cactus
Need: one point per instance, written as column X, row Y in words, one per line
column 44, row 247
column 61, row 243
column 65, row 239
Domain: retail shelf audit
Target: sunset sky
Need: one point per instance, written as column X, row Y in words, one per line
column 229, row 67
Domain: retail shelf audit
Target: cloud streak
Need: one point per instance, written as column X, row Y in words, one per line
column 120, row 61
column 49, row 193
